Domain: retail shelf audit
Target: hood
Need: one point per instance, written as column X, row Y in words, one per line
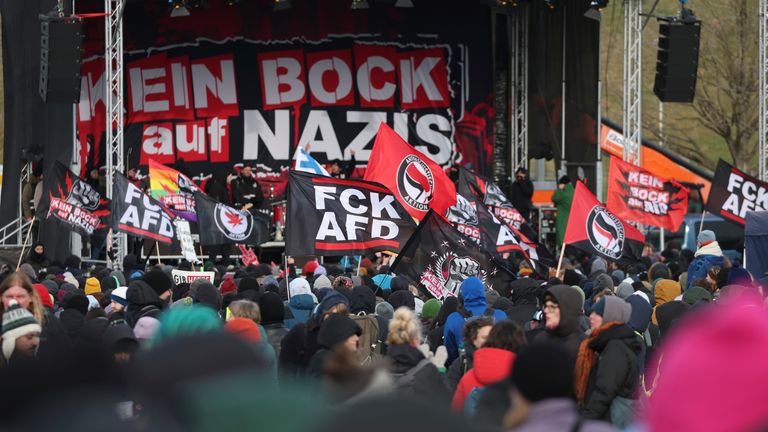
column 140, row 294
column 473, row 293
column 302, row 301
column 492, row 364
column 363, row 300
column 402, row 298
column 712, row 248
column 207, row 294
column 570, row 304
column 625, row 290
column 602, row 281
column 272, row 308
column 398, row 283
column 668, row 314
column 619, row 332
column 640, row 318
column 336, row 329
column 616, row 309
column 405, row 354
column 666, row 290
column 298, row 287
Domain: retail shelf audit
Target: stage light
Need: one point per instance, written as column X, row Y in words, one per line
column 595, row 9
column 178, row 8
column 404, row 4
column 359, row 4
column 551, row 4
column 281, row 5
column 232, row 2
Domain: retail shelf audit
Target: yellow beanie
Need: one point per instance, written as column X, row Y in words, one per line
column 92, row 286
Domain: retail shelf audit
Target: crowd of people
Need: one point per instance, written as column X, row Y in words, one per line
column 674, row 342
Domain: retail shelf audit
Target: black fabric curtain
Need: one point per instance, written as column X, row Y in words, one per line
column 31, row 126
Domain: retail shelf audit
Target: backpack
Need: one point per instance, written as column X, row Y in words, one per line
column 472, row 400
column 370, row 347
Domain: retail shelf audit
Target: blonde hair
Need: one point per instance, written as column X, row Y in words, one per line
column 21, row 280
column 404, row 328
column 245, row 309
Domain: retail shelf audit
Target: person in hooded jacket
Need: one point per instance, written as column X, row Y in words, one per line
column 474, row 304
column 437, row 330
column 36, row 257
column 415, row 376
column 639, row 321
column 272, row 317
column 301, row 303
column 562, row 311
column 708, row 254
column 336, row 332
column 524, row 298
column 363, row 303
column 142, row 301
column 607, row 369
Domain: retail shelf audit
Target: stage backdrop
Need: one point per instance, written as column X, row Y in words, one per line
column 232, row 83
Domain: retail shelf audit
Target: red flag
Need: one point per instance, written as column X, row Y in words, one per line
column 415, row 179
column 592, row 228
column 638, row 195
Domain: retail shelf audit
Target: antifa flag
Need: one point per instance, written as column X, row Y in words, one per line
column 734, row 193
column 72, row 201
column 329, row 216
column 638, row 195
column 440, row 258
column 173, row 189
column 415, row 179
column 138, row 214
column 594, row 229
column 221, row 224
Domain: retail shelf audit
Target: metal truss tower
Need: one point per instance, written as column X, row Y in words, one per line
column 113, row 59
column 633, row 89
column 763, row 138
column 519, row 93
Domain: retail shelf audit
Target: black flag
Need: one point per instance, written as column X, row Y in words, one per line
column 138, row 214
column 440, row 258
column 329, row 216
column 72, row 201
column 220, row 223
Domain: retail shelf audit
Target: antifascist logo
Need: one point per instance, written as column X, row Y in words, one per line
column 463, row 212
column 605, row 232
column 83, row 194
column 415, row 182
column 234, row 224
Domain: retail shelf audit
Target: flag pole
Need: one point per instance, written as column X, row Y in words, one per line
column 24, row 246
column 701, row 224
column 287, row 280
column 201, row 252
column 560, row 261
column 359, row 261
column 157, row 247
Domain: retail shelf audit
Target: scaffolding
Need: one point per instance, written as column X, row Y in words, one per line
column 633, row 89
column 519, row 68
column 763, row 138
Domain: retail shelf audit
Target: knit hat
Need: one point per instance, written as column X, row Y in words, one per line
column 329, row 301
column 543, row 371
column 398, row 283
column 617, row 276
column 310, row 267
column 17, row 322
column 320, row 270
column 706, row 236
column 402, row 298
column 119, row 295
column 146, row 328
column 92, row 286
column 45, row 297
column 187, row 321
column 245, row 328
column 272, row 308
column 613, row 309
column 51, row 286
column 322, row 281
column 695, row 294
column 431, row 308
column 158, row 280
column 299, row 286
column 227, row 286
column 385, row 310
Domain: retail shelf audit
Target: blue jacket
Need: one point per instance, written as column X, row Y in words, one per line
column 473, row 293
column 700, row 266
column 301, row 306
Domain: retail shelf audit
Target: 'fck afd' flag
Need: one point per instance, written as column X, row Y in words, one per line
column 72, row 201
column 221, row 224
column 592, row 228
column 138, row 214
column 734, row 193
column 415, row 179
column 441, row 258
column 330, row 216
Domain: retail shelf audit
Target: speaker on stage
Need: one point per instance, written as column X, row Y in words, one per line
column 61, row 41
column 677, row 61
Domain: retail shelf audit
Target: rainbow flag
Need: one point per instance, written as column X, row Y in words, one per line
column 173, row 189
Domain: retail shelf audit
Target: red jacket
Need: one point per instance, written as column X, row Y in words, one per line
column 490, row 365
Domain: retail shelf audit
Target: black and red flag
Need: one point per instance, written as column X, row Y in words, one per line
column 72, row 201
column 734, row 193
column 138, row 214
column 418, row 183
column 638, row 195
column 222, row 224
column 330, row 216
column 440, row 258
column 594, row 229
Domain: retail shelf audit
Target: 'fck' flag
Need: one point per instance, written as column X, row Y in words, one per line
column 415, row 179
column 592, row 228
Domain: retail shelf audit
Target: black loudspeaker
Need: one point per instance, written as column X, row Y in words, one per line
column 677, row 61
column 61, row 53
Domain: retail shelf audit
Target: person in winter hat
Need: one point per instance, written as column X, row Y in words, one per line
column 193, row 320
column 301, row 303
column 143, row 301
column 475, row 304
column 708, row 254
column 406, row 359
column 93, row 287
column 272, row 318
column 160, row 282
column 492, row 363
column 607, row 368
column 562, row 311
column 385, row 310
column 322, row 281
column 207, row 295
column 542, row 393
column 120, row 341
column 21, row 333
column 336, row 332
column 119, row 298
